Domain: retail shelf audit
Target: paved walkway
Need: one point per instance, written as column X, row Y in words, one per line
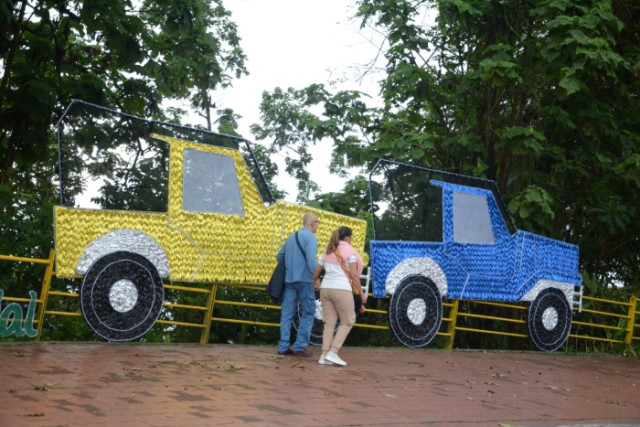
column 80, row 384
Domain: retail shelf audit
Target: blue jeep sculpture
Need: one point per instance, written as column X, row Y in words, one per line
column 442, row 235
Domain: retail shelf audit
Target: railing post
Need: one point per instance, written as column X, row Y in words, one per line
column 44, row 294
column 632, row 320
column 451, row 330
column 204, row 336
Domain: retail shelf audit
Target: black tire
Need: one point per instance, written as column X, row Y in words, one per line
column 415, row 311
column 131, row 313
column 317, row 327
column 549, row 320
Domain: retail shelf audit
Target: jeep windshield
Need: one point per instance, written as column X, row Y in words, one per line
column 406, row 207
column 108, row 159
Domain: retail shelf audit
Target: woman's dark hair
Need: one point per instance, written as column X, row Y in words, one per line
column 338, row 235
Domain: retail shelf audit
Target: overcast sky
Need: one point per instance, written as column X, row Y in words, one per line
column 293, row 43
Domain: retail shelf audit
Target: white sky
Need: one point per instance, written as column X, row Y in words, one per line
column 293, row 43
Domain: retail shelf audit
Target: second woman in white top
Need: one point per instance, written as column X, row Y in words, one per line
column 343, row 266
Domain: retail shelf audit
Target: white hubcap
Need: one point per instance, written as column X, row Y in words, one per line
column 550, row 318
column 123, row 295
column 417, row 311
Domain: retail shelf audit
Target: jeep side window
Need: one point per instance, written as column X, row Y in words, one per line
column 210, row 184
column 471, row 220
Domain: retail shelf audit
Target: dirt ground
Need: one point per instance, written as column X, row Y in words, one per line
column 79, row 384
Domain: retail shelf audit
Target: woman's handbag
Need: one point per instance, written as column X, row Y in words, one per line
column 357, row 302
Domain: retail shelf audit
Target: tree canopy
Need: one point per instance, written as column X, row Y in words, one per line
column 541, row 97
column 131, row 56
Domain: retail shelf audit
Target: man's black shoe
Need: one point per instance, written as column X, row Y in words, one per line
column 304, row 353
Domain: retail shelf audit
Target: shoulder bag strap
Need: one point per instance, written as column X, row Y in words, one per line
column 344, row 268
column 300, row 246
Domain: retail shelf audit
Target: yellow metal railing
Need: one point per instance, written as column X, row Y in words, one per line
column 624, row 313
column 518, row 321
column 620, row 329
column 40, row 302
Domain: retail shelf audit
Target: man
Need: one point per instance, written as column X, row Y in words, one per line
column 300, row 261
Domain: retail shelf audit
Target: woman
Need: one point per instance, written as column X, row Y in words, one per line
column 343, row 267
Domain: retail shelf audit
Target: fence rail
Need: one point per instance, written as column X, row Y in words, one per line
column 619, row 329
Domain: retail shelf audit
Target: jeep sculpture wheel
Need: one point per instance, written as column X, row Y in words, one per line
column 121, row 296
column 415, row 311
column 317, row 328
column 549, row 320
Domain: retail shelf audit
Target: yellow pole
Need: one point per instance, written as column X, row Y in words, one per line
column 451, row 330
column 632, row 320
column 204, row 336
column 44, row 294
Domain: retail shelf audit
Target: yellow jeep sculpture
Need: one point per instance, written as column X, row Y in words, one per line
column 216, row 229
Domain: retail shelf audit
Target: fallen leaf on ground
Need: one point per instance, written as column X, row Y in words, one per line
column 615, row 402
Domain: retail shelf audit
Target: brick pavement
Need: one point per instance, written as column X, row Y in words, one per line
column 117, row 384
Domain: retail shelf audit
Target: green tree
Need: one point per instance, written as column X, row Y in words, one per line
column 132, row 56
column 291, row 127
column 136, row 57
column 541, row 97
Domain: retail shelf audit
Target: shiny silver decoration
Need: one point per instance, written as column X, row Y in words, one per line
column 423, row 266
column 123, row 295
column 550, row 318
column 417, row 311
column 318, row 312
column 124, row 240
column 566, row 288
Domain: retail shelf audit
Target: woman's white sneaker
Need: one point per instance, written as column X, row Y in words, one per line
column 323, row 361
column 333, row 357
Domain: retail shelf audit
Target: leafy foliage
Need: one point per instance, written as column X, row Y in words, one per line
column 291, row 126
column 539, row 96
column 131, row 56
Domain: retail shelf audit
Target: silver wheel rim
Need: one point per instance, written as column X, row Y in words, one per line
column 550, row 318
column 417, row 311
column 123, row 295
